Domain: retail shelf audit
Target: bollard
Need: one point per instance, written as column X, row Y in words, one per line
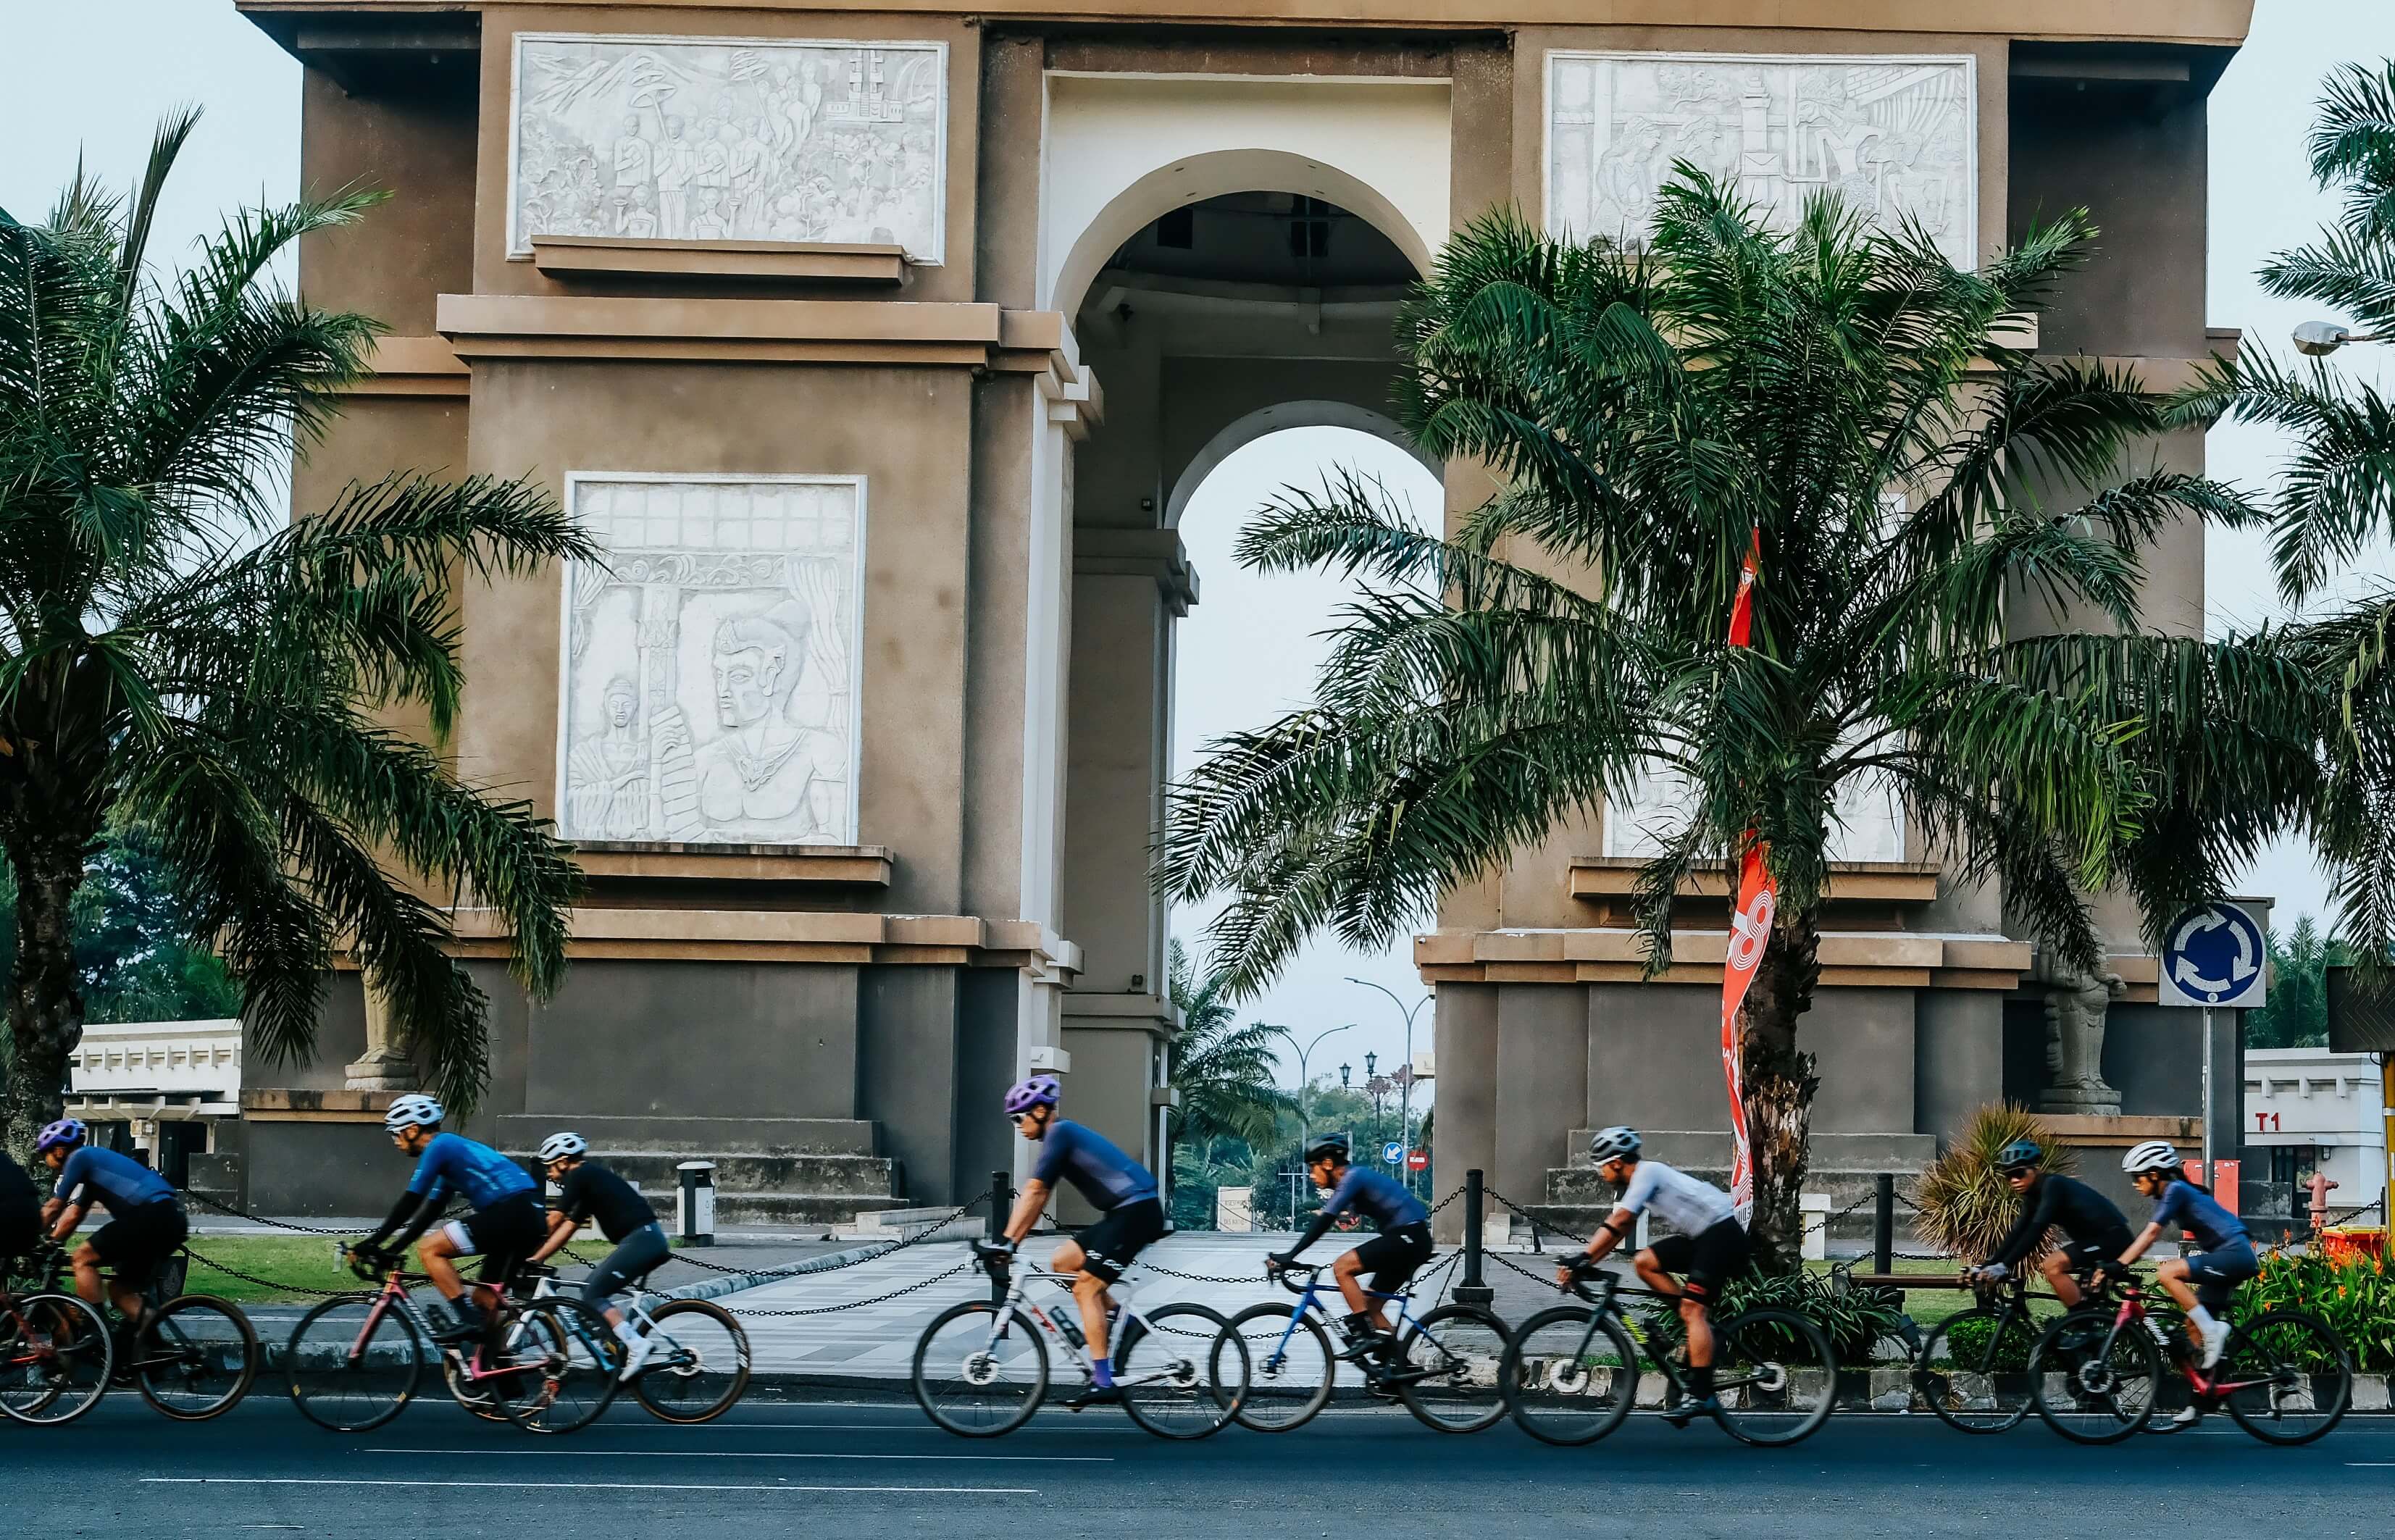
column 1001, row 1208
column 1884, row 1224
column 1472, row 1291
column 695, row 1202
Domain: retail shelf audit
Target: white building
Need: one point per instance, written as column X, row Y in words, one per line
column 172, row 1082
column 2307, row 1110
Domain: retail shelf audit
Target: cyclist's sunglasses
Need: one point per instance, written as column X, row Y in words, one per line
column 2015, row 1172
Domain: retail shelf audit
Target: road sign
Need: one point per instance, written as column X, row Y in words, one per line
column 2213, row 957
column 1418, row 1161
column 1392, row 1152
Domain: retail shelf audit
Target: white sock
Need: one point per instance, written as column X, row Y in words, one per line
column 2201, row 1317
column 626, row 1333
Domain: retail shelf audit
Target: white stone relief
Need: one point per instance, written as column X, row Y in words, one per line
column 729, row 138
column 710, row 689
column 1897, row 136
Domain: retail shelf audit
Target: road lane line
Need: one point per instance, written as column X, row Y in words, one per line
column 582, row 1487
column 552, row 1453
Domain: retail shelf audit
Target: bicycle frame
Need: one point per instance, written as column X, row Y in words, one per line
column 1606, row 1298
column 2132, row 1309
column 1016, row 1298
column 1309, row 1301
column 394, row 1296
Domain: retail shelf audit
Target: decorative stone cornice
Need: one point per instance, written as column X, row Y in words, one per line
column 1877, row 959
column 793, row 935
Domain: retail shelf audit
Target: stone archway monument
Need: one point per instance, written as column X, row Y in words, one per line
column 882, row 349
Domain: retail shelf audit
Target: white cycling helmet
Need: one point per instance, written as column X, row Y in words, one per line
column 1615, row 1143
column 558, row 1147
column 2154, row 1154
column 413, row 1111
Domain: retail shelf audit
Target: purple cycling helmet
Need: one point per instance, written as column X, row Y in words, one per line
column 1040, row 1090
column 66, row 1130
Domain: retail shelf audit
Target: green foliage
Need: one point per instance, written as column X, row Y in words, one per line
column 1967, row 1341
column 1965, row 1206
column 2297, row 1016
column 2355, row 1297
column 1853, row 1319
column 1223, row 1071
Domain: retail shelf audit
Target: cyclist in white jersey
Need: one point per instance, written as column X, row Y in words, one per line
column 1709, row 1249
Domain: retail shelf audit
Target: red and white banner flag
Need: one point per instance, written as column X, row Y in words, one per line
column 1750, row 931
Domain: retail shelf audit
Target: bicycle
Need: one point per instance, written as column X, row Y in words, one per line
column 1571, row 1373
column 2283, row 1377
column 354, row 1361
column 1444, row 1371
column 699, row 1366
column 980, row 1367
column 1972, row 1369
column 54, row 1354
column 192, row 1358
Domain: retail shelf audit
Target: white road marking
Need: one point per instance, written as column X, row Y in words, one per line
column 582, row 1487
column 552, row 1453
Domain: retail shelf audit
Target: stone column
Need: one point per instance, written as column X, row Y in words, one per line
column 385, row 1066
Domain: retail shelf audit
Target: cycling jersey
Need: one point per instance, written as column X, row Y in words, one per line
column 451, row 1162
column 119, row 1183
column 2086, row 1214
column 1097, row 1169
column 2185, row 1205
column 1686, row 1204
column 591, row 1190
column 1376, row 1197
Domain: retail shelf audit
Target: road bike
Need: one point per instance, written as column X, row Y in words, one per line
column 192, row 1357
column 980, row 1367
column 1445, row 1367
column 547, row 1365
column 698, row 1360
column 1972, row 1369
column 54, row 1354
column 1571, row 1373
column 2096, row 1375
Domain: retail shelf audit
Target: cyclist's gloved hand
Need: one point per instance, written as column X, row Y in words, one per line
column 1994, row 1272
column 1276, row 1260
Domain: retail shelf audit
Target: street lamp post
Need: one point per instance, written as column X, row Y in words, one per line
column 2319, row 338
column 1304, row 1116
column 1406, row 1086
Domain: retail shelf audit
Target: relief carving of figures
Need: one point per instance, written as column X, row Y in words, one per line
column 710, row 693
column 689, row 139
column 1893, row 136
column 2076, row 1005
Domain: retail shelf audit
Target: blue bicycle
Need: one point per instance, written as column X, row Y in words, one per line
column 1445, row 1367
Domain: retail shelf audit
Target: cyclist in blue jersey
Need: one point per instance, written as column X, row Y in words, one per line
column 505, row 1226
column 2201, row 1281
column 146, row 1224
column 1392, row 1256
column 1130, row 1214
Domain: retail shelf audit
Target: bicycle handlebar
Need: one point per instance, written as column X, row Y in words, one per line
column 1281, row 1276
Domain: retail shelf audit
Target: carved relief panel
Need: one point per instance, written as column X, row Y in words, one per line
column 728, row 138
column 710, row 666
column 1896, row 135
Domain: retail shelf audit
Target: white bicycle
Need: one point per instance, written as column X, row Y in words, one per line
column 980, row 1368
column 698, row 1362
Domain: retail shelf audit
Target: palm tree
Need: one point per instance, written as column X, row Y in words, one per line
column 2336, row 493
column 163, row 668
column 1222, row 1069
column 1840, row 401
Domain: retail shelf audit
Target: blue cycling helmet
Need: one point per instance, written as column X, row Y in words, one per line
column 1040, row 1090
column 66, row 1130
column 2019, row 1152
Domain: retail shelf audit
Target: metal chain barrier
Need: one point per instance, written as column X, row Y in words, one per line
column 262, row 1219
column 214, row 1266
column 859, row 1304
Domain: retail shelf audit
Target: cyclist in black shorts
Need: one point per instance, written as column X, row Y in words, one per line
column 1392, row 1256
column 2095, row 1230
column 587, row 1189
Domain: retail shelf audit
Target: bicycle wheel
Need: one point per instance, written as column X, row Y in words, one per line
column 2093, row 1384
column 1291, row 1367
column 194, row 1357
column 1569, row 1374
column 698, row 1364
column 1168, row 1372
column 1449, row 1375
column 2285, row 1377
column 479, row 1398
column 1774, row 1377
column 1973, row 1369
column 980, row 1369
column 353, row 1362
column 54, row 1359
column 563, row 1358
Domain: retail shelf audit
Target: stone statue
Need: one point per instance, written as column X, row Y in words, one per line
column 2075, row 1007
column 765, row 772
column 607, row 774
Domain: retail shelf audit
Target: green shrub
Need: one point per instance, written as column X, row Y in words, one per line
column 1854, row 1319
column 1967, row 1339
column 2356, row 1299
column 1966, row 1208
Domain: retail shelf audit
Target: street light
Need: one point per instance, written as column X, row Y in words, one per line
column 1342, row 1075
column 1405, row 1087
column 1304, row 1117
column 2319, row 338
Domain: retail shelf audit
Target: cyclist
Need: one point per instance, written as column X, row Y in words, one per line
column 504, row 1227
column 2095, row 1230
column 146, row 1224
column 1130, row 1215
column 2200, row 1281
column 1709, row 1250
column 1392, row 1256
column 587, row 1189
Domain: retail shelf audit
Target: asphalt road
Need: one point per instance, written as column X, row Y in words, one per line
column 855, row 1468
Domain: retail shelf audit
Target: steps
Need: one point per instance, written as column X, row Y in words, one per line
column 797, row 1190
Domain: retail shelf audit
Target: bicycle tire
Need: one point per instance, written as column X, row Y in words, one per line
column 349, row 1374
column 565, row 1358
column 195, row 1357
column 1553, row 1389
column 2319, row 1374
column 1188, row 1400
column 685, row 1363
column 1452, row 1359
column 1013, row 1381
column 54, row 1359
column 2074, row 1389
column 1775, row 1377
column 1963, row 1370
column 1290, row 1369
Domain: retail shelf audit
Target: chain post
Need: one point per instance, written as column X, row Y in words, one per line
column 1884, row 1223
column 1002, row 1203
column 1473, row 1291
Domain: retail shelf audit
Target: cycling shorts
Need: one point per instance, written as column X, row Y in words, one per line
column 2217, row 1273
column 1120, row 1234
column 501, row 1235
column 1706, row 1260
column 636, row 1255
column 1393, row 1256
column 136, row 1242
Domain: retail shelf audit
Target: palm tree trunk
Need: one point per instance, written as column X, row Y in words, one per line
column 1779, row 1085
column 44, row 1007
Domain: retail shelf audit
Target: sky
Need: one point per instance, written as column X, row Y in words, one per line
column 93, row 75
